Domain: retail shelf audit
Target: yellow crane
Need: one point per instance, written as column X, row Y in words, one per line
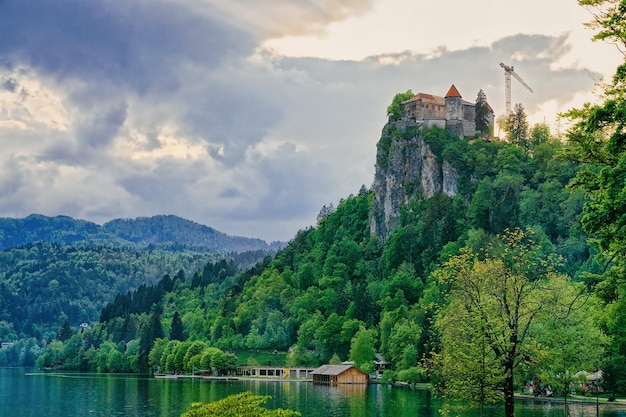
column 508, row 71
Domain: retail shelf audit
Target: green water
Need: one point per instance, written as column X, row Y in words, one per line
column 26, row 393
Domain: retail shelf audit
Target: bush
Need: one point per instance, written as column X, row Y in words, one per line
column 412, row 375
column 240, row 405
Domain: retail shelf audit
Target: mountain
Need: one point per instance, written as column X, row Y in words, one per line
column 143, row 231
column 59, row 268
column 164, row 229
column 59, row 229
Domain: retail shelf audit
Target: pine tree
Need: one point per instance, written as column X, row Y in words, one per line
column 482, row 114
column 66, row 332
column 149, row 332
column 177, row 332
column 517, row 127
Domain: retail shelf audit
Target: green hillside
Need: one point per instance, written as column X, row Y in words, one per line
column 161, row 230
column 507, row 278
column 57, row 269
column 335, row 286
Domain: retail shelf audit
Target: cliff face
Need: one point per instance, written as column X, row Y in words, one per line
column 406, row 168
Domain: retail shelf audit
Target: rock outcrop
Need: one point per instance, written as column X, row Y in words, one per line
column 406, row 169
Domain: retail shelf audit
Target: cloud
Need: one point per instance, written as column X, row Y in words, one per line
column 151, row 107
column 292, row 17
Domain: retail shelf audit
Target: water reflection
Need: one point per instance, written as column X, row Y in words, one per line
column 74, row 395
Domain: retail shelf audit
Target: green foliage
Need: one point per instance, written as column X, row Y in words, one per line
column 362, row 351
column 598, row 141
column 245, row 404
column 516, row 127
column 438, row 139
column 394, row 110
column 568, row 338
column 66, row 332
column 336, row 293
column 149, row 332
column 177, row 331
column 494, row 302
column 45, row 284
column 413, row 375
column 482, row 118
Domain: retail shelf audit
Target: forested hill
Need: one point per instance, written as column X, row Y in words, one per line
column 54, row 269
column 163, row 229
column 337, row 287
column 143, row 231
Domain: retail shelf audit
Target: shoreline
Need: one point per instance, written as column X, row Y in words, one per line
column 578, row 399
column 233, row 378
column 590, row 401
column 559, row 400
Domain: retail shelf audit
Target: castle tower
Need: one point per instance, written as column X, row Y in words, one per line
column 454, row 112
column 453, row 103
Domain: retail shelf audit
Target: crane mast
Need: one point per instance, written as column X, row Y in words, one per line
column 508, row 71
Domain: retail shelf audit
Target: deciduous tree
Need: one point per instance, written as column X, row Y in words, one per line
column 394, row 110
column 362, row 350
column 500, row 296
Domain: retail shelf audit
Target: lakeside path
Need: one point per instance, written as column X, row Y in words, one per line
column 579, row 399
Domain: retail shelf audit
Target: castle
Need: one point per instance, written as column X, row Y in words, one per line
column 450, row 112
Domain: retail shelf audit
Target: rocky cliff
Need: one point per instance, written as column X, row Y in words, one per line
column 406, row 168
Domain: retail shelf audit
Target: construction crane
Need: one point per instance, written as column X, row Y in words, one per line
column 508, row 71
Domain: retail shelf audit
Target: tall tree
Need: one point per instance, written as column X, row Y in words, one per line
column 362, row 350
column 539, row 133
column 569, row 338
column 483, row 114
column 598, row 140
column 177, row 331
column 468, row 368
column 504, row 293
column 517, row 127
column 149, row 332
column 66, row 332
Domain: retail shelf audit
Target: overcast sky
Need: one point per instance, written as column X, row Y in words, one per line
column 248, row 116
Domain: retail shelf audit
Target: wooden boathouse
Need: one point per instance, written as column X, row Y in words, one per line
column 339, row 374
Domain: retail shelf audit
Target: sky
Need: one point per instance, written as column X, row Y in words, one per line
column 249, row 116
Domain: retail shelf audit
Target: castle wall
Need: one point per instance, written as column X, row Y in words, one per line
column 469, row 128
column 456, row 127
column 420, row 110
column 454, row 109
column 469, row 112
column 436, row 122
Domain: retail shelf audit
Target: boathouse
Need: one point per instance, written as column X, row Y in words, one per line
column 339, row 374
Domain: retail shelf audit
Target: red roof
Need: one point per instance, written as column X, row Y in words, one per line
column 453, row 92
column 427, row 98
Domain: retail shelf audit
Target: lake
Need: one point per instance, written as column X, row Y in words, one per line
column 25, row 393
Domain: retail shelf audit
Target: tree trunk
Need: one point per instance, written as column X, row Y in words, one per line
column 509, row 405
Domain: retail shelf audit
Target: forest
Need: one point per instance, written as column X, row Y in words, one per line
column 337, row 293
column 58, row 269
column 516, row 281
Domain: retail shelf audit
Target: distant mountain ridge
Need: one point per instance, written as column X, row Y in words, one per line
column 163, row 229
column 142, row 231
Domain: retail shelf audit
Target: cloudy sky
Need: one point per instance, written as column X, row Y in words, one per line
column 248, row 116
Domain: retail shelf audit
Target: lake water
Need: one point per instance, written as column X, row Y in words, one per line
column 25, row 393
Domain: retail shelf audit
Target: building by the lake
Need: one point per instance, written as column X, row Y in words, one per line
column 339, row 374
